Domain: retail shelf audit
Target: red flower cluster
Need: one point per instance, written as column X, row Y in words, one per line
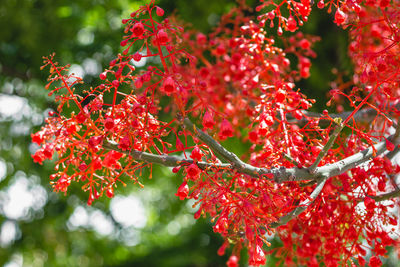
column 237, row 82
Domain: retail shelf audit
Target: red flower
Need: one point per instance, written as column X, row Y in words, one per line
column 208, row 120
column 103, row 75
column 226, row 129
column 193, row 172
column 159, row 11
column 291, row 24
column 340, row 17
column 374, row 261
column 110, row 192
column 37, row 138
column 162, row 37
column 169, row 85
column 125, row 143
column 389, row 145
column 137, row 56
column 109, row 123
column 183, row 191
column 94, row 141
column 369, row 203
column 38, row 157
column 258, row 257
column 138, row 29
column 111, row 160
column 196, row 154
column 201, row 38
column 233, row 261
column 81, row 117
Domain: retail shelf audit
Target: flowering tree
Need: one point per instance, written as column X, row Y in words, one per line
column 323, row 183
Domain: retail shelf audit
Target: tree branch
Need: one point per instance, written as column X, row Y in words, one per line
column 386, row 196
column 279, row 175
column 327, row 146
column 166, row 160
column 365, row 115
column 212, row 143
column 302, row 207
column 319, row 174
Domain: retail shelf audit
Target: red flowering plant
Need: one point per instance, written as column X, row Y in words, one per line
column 325, row 184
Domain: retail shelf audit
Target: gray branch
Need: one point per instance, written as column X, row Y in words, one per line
column 166, row 160
column 328, row 145
column 302, row 207
column 279, row 175
column 386, row 196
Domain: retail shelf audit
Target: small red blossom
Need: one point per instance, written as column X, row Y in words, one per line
column 208, row 120
column 183, row 191
column 90, row 200
column 110, row 192
column 137, row 29
column 369, row 203
column 159, row 11
column 103, row 75
column 82, row 166
column 221, row 225
column 305, row 44
column 37, row 138
column 291, row 24
column 233, row 261
column 179, row 144
column 111, row 159
column 340, row 17
column 169, row 85
column 226, row 129
column 162, row 37
column 38, row 157
column 124, row 42
column 258, row 257
column 96, row 164
column 389, row 145
column 115, row 83
column 374, row 261
column 81, row 117
column 175, row 169
column 109, row 123
column 94, row 141
column 280, row 96
column 193, row 171
column 125, row 143
column 201, row 38
column 384, row 3
column 196, row 154
column 138, row 83
column 137, row 56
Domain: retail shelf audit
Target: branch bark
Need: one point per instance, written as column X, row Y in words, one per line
column 302, row 207
column 166, row 160
column 386, row 196
column 279, row 175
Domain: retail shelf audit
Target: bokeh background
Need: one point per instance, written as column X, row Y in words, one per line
column 138, row 227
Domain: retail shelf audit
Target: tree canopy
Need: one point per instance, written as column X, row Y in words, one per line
column 212, row 56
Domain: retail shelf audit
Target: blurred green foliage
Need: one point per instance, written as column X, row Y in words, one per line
column 86, row 34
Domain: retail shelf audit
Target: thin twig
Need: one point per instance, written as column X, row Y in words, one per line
column 290, row 159
column 302, row 206
column 212, row 143
column 328, row 145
